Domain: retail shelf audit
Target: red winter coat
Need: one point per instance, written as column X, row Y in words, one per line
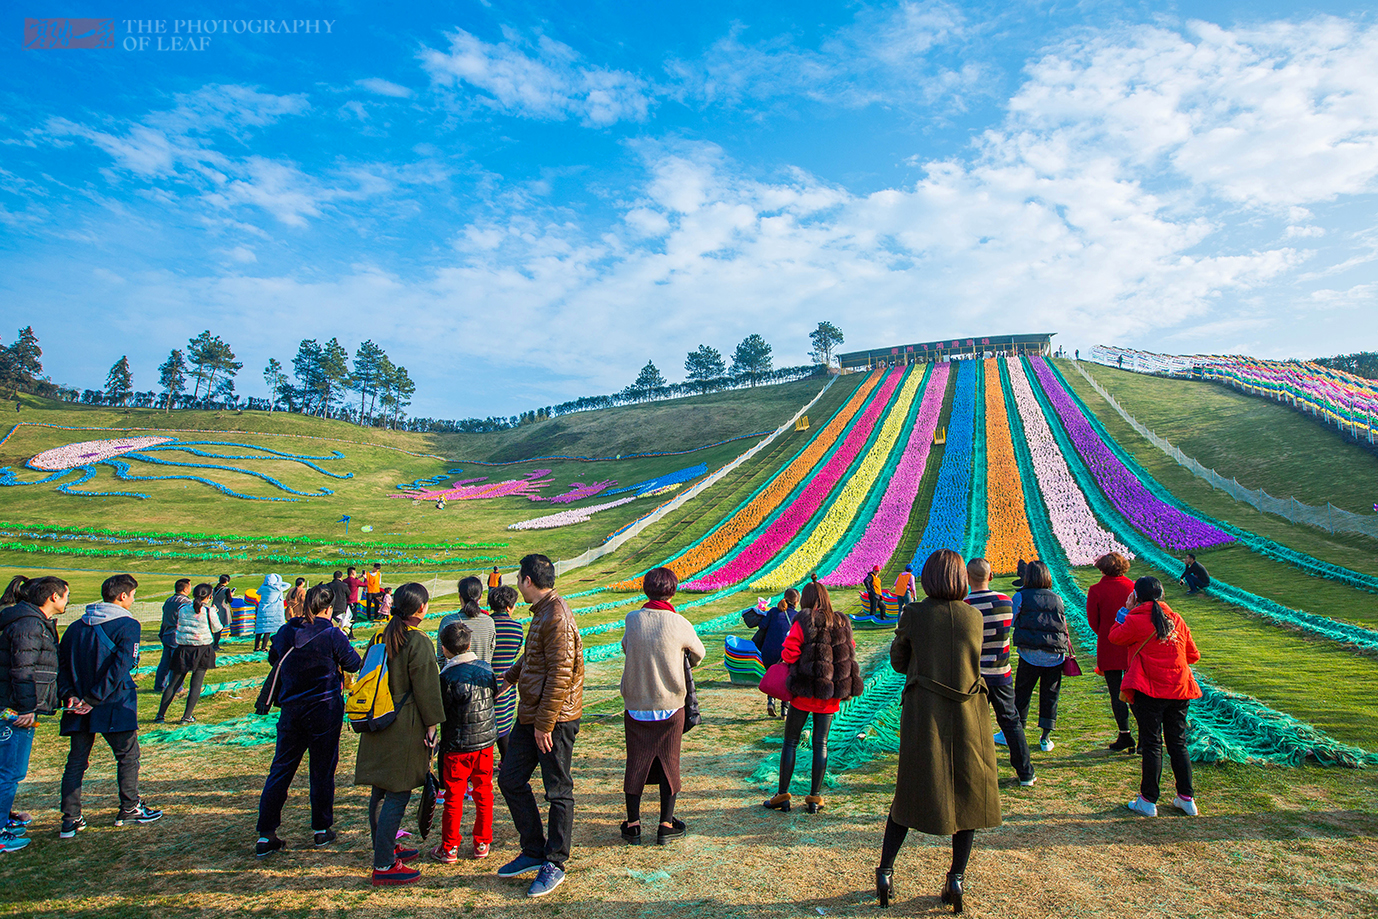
column 1162, row 668
column 1103, row 601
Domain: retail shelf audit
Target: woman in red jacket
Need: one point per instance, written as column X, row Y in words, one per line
column 1159, row 685
column 1103, row 602
column 823, row 672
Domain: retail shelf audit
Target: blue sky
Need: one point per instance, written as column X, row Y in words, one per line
column 525, row 202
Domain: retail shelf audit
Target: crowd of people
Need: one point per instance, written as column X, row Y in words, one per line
column 494, row 701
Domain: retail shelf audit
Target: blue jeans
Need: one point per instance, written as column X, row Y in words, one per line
column 15, row 746
column 1191, row 582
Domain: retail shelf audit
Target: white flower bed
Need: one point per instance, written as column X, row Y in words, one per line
column 91, row 451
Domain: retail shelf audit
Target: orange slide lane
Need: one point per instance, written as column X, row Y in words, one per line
column 719, row 542
column 1009, row 539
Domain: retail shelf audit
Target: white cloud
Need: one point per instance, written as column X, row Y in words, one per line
column 542, row 79
column 381, row 87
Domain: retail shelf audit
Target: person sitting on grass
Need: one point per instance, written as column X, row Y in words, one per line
column 95, row 678
column 468, row 688
column 310, row 654
column 197, row 626
column 1195, row 577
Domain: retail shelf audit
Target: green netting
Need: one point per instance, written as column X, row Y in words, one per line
column 1260, row 544
column 978, row 527
column 1365, row 640
column 244, row 731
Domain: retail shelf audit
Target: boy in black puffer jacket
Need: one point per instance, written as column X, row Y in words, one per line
column 467, row 737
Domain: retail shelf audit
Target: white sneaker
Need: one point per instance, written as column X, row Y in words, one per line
column 1000, row 739
column 1186, row 805
column 1029, row 781
column 1046, row 745
column 1142, row 807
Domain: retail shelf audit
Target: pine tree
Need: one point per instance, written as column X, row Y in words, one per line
column 825, row 338
column 704, row 364
column 367, row 363
column 649, row 378
column 276, row 380
column 119, row 383
column 172, row 376
column 752, row 357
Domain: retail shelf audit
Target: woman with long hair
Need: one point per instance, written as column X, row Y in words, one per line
column 658, row 644
column 1104, row 600
column 1043, row 643
column 1160, row 686
column 507, row 647
column 197, row 625
column 395, row 760
column 823, row 673
column 482, row 633
column 946, row 783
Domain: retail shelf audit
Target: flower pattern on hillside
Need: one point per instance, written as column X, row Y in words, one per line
column 121, row 453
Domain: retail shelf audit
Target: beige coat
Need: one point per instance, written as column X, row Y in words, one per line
column 946, row 779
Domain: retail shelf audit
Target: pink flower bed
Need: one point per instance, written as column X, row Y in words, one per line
column 578, row 491
column 474, row 490
column 883, row 533
column 785, row 527
column 91, row 451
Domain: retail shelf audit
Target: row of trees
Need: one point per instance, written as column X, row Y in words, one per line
column 372, row 390
column 1360, row 363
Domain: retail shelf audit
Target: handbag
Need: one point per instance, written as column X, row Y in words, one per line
column 268, row 694
column 425, row 811
column 691, row 697
column 776, row 682
column 1070, row 667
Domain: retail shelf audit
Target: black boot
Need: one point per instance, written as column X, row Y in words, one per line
column 1125, row 743
column 952, row 891
column 885, row 885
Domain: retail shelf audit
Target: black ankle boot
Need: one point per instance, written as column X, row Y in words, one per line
column 1125, row 743
column 952, row 891
column 885, row 885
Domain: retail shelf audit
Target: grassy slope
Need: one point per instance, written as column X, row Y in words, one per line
column 1260, row 443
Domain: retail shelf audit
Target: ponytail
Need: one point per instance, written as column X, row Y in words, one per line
column 1150, row 590
column 407, row 602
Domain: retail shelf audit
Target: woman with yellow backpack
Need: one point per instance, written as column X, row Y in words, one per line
column 395, row 706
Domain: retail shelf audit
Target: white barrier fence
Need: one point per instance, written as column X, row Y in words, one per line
column 1329, row 518
column 617, row 540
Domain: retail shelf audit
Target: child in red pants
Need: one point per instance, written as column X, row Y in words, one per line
column 467, row 737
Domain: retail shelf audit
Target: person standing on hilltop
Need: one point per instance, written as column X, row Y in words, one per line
column 197, row 625
column 997, row 615
column 357, row 586
column 271, row 611
column 550, row 688
column 904, row 585
column 873, row 590
column 494, row 578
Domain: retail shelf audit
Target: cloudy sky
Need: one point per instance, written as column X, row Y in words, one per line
column 525, row 202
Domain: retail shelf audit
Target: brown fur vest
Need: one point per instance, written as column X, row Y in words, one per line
column 827, row 667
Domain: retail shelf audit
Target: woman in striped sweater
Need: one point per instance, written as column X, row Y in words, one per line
column 507, row 647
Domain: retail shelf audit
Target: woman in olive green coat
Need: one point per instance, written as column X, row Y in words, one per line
column 946, row 783
column 396, row 759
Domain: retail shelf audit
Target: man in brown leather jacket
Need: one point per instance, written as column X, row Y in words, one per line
column 550, row 689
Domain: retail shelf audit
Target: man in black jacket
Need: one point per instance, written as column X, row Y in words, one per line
column 96, row 659
column 167, row 630
column 1195, row 576
column 467, row 737
column 28, row 685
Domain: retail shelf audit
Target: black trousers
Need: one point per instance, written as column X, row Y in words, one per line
column 794, row 729
column 164, row 668
column 1002, row 705
column 1049, row 682
column 1118, row 707
column 873, row 599
column 519, row 764
column 125, row 746
column 313, row 729
column 1162, row 720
